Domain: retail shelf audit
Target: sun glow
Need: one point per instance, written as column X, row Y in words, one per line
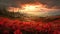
column 27, row 8
column 30, row 8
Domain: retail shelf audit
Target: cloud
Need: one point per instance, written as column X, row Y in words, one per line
column 51, row 3
column 48, row 3
column 49, row 12
column 54, row 12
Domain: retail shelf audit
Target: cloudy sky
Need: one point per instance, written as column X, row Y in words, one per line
column 52, row 5
column 49, row 3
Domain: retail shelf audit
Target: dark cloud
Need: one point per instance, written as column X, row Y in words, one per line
column 27, row 1
column 51, row 3
column 48, row 3
column 55, row 12
column 7, row 3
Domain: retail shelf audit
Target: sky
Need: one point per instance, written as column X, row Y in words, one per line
column 53, row 6
column 48, row 3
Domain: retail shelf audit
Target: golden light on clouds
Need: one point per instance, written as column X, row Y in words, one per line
column 12, row 9
column 30, row 9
